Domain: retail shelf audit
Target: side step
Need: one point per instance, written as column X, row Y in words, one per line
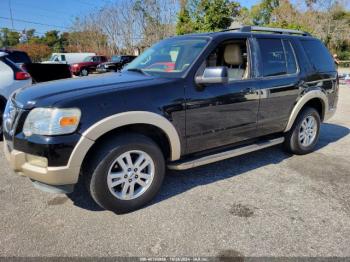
column 225, row 155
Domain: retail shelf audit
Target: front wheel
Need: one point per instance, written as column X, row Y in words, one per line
column 303, row 136
column 84, row 72
column 1, row 116
column 125, row 173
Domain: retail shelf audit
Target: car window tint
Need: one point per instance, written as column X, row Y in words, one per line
column 290, row 57
column 273, row 57
column 318, row 55
column 19, row 57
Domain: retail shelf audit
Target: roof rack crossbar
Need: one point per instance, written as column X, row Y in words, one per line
column 268, row 29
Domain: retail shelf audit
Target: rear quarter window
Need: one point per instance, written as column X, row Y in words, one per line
column 318, row 55
column 19, row 57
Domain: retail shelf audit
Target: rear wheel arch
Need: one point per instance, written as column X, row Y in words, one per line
column 315, row 99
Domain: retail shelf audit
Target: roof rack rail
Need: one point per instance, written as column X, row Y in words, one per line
column 248, row 28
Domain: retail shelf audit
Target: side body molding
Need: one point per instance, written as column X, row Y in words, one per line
column 126, row 118
column 302, row 101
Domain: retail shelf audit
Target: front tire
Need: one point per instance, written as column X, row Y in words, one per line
column 1, row 120
column 84, row 72
column 125, row 173
column 304, row 135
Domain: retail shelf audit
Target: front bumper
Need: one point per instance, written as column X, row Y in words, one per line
column 19, row 162
column 101, row 70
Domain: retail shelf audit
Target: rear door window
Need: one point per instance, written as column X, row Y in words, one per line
column 292, row 67
column 318, row 55
column 273, row 57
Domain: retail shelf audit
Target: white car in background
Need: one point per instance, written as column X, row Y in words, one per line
column 67, row 58
column 11, row 78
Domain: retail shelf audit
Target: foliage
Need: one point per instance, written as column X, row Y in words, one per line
column 8, row 37
column 206, row 15
column 261, row 13
column 36, row 51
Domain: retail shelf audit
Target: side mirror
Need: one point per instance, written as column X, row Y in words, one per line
column 213, row 75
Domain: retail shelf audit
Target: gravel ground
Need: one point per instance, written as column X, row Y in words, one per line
column 266, row 203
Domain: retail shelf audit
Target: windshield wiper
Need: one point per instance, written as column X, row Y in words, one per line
column 137, row 70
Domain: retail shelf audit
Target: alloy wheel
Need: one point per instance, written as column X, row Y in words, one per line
column 308, row 131
column 130, row 175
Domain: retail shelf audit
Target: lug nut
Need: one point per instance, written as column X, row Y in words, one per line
column 130, row 180
column 126, row 176
column 129, row 169
column 136, row 176
column 135, row 170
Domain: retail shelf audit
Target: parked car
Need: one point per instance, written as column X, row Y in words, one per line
column 164, row 66
column 88, row 65
column 116, row 64
column 12, row 78
column 39, row 72
column 230, row 93
column 68, row 58
column 18, row 57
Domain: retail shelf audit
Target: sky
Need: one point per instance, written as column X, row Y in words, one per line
column 55, row 14
column 45, row 15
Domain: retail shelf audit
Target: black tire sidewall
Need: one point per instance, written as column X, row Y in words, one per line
column 295, row 144
column 82, row 74
column 98, row 184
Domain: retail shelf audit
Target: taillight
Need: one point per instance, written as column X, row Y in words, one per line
column 22, row 75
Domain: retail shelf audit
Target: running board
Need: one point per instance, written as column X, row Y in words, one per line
column 225, row 155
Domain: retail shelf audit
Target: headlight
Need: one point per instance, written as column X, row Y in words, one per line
column 51, row 121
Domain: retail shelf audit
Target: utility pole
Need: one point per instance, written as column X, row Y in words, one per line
column 11, row 15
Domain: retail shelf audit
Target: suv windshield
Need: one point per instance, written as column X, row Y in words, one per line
column 87, row 59
column 169, row 58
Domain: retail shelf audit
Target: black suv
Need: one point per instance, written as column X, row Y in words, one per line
column 116, row 64
column 221, row 95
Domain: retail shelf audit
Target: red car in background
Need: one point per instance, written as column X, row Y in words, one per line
column 163, row 66
column 88, row 65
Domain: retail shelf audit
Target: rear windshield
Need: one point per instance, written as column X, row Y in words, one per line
column 318, row 55
column 19, row 57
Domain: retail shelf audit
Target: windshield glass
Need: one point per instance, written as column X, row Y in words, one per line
column 169, row 58
column 116, row 58
column 87, row 59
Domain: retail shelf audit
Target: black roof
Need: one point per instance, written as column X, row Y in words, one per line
column 245, row 31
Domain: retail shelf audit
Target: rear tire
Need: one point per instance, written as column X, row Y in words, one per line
column 305, row 132
column 113, row 179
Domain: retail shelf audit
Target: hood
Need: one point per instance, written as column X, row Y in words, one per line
column 56, row 91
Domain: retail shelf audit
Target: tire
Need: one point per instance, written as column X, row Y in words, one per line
column 84, row 72
column 1, row 119
column 294, row 142
column 105, row 162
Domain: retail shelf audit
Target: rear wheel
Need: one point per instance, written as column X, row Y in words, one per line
column 303, row 136
column 125, row 173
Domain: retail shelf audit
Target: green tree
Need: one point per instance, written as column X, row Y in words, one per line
column 52, row 39
column 184, row 23
column 8, row 38
column 261, row 13
column 206, row 15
